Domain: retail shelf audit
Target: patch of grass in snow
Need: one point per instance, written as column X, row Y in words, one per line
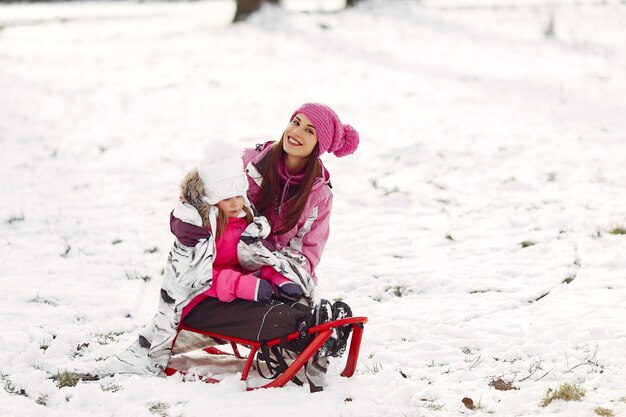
column 43, row 300
column 433, row 364
column 42, row 400
column 527, row 243
column 473, row 359
column 9, row 387
column 431, row 405
column 159, row 409
column 66, row 379
column 434, row 406
column 468, row 350
column 604, row 412
column 398, row 290
column 82, row 346
column 506, row 360
column 105, row 339
column 618, row 231
column 70, row 379
column 565, row 392
column 111, row 388
column 134, row 275
column 16, row 218
column 591, row 359
column 153, row 249
column 373, row 368
column 483, row 291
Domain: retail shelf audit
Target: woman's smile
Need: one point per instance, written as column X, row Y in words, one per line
column 293, row 142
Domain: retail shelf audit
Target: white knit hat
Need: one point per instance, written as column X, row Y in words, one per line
column 221, row 171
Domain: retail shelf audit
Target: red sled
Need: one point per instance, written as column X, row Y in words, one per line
column 322, row 332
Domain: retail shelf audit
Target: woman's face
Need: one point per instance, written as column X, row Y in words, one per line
column 231, row 206
column 300, row 137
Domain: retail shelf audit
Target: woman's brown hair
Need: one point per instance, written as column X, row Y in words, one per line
column 270, row 192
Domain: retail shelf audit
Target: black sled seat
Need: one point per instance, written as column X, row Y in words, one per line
column 322, row 332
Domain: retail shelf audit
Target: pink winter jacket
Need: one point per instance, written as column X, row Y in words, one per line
column 228, row 277
column 311, row 232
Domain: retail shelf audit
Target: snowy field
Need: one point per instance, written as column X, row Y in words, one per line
column 479, row 226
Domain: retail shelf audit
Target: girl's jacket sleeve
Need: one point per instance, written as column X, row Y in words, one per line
column 188, row 234
column 186, row 224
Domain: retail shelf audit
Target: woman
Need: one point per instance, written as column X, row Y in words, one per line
column 289, row 184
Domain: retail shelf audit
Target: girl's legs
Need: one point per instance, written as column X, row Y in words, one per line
column 262, row 321
column 251, row 320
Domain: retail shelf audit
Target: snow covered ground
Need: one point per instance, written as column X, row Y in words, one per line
column 477, row 226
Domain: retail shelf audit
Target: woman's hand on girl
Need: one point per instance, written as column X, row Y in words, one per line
column 282, row 286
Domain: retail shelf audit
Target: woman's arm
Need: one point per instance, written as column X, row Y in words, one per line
column 311, row 238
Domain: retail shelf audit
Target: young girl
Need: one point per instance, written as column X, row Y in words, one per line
column 217, row 190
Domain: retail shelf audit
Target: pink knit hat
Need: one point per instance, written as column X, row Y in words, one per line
column 332, row 136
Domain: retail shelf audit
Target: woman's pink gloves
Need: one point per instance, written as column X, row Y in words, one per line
column 282, row 286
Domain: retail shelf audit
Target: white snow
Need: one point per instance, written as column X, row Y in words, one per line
column 479, row 132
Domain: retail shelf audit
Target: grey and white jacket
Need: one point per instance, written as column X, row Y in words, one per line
column 188, row 273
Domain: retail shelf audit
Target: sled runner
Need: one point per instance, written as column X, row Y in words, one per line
column 320, row 332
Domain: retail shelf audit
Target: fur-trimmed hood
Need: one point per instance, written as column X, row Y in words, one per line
column 192, row 190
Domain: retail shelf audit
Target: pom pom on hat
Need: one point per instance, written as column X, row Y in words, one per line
column 332, row 135
column 221, row 172
column 350, row 141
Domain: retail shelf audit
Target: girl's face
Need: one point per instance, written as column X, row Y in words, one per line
column 300, row 137
column 231, row 206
